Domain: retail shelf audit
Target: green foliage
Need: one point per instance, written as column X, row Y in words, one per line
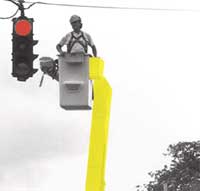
column 183, row 172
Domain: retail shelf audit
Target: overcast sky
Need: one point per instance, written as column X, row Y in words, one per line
column 152, row 62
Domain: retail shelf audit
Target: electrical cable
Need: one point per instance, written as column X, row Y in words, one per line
column 12, row 1
column 30, row 6
column 103, row 7
column 11, row 15
column 113, row 7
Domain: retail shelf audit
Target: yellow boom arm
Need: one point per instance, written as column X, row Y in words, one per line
column 99, row 128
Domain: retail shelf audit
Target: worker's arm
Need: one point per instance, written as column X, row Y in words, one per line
column 59, row 49
column 94, row 50
column 91, row 44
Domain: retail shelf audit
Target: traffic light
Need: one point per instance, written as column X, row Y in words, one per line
column 22, row 49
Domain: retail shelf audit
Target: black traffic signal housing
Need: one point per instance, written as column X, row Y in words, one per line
column 22, row 49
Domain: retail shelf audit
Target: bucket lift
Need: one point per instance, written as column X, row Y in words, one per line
column 76, row 71
column 75, row 86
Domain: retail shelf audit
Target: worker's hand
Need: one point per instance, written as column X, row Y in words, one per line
column 61, row 53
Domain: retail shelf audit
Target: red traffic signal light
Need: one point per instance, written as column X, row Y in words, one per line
column 23, row 27
column 22, row 49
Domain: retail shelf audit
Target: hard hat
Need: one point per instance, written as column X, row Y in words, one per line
column 74, row 18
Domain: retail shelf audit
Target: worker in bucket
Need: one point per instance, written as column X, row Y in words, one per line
column 76, row 41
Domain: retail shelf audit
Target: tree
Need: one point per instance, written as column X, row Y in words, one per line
column 183, row 174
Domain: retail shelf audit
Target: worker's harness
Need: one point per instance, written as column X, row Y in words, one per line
column 75, row 40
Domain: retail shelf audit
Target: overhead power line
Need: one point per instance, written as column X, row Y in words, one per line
column 30, row 6
column 19, row 4
column 11, row 15
column 101, row 7
column 113, row 7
